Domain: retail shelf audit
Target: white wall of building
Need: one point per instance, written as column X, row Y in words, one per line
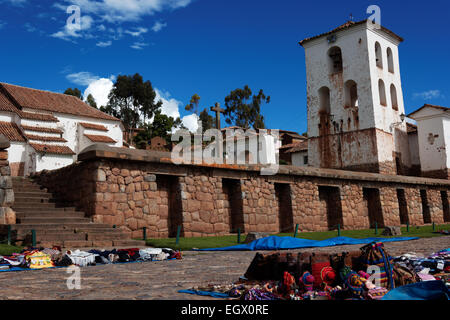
column 52, row 161
column 298, row 159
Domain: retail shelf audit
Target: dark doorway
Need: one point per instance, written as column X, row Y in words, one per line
column 171, row 185
column 233, row 193
column 372, row 199
column 285, row 216
column 445, row 206
column 331, row 197
column 425, row 207
column 403, row 206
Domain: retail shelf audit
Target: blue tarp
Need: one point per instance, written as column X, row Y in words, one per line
column 427, row 290
column 207, row 293
column 286, row 243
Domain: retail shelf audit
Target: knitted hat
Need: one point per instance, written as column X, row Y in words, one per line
column 328, row 275
column 307, row 280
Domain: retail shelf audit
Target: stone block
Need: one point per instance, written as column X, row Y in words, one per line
column 392, row 231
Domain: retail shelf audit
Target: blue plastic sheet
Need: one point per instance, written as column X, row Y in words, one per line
column 206, row 293
column 286, row 243
column 427, row 290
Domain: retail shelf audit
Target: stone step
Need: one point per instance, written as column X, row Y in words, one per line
column 32, row 200
column 50, row 214
column 26, row 194
column 58, row 226
column 27, row 189
column 48, row 220
column 37, row 210
column 37, row 206
column 42, row 207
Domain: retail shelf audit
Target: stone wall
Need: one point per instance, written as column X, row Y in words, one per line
column 7, row 215
column 135, row 189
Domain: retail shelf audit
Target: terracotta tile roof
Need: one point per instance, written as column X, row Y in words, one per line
column 428, row 106
column 42, row 129
column 92, row 126
column 45, row 138
column 11, row 131
column 54, row 102
column 348, row 25
column 299, row 146
column 97, row 138
column 52, row 149
column 6, row 104
column 37, row 116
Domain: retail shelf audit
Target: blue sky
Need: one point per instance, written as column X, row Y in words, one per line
column 211, row 47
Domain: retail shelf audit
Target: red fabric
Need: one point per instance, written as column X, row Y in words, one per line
column 316, row 272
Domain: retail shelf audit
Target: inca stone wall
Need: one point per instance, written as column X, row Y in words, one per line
column 133, row 190
column 7, row 215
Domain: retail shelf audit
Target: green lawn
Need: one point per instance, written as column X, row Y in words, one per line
column 6, row 250
column 225, row 241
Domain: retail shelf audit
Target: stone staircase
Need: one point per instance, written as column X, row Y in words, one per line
column 56, row 224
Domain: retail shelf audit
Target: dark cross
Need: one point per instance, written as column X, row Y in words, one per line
column 218, row 111
column 351, row 17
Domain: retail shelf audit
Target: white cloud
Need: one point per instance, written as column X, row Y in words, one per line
column 139, row 45
column 191, row 122
column 100, row 90
column 158, row 26
column 428, row 95
column 104, row 44
column 70, row 31
column 138, row 32
column 171, row 107
column 116, row 11
column 82, row 78
column 15, row 2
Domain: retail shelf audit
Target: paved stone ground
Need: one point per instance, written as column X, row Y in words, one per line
column 161, row 280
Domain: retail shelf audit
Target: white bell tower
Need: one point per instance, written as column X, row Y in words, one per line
column 355, row 100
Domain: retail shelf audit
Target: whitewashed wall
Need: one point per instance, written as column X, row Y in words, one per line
column 298, row 159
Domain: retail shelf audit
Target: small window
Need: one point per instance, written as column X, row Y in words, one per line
column 394, row 97
column 351, row 94
column 335, row 60
column 382, row 92
column 324, row 100
column 305, row 160
column 390, row 59
column 378, row 55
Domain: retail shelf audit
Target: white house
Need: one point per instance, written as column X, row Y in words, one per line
column 433, row 126
column 47, row 130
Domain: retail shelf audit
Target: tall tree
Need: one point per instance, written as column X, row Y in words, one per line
column 132, row 100
column 207, row 120
column 243, row 109
column 74, row 92
column 194, row 104
column 91, row 101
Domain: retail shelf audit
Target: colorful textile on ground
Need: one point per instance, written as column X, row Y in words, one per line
column 40, row 258
column 343, row 277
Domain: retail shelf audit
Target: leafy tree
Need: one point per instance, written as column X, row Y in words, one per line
column 74, row 92
column 161, row 126
column 243, row 109
column 91, row 101
column 131, row 98
column 194, row 103
column 207, row 120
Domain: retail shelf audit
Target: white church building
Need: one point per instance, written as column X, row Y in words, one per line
column 356, row 113
column 47, row 130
